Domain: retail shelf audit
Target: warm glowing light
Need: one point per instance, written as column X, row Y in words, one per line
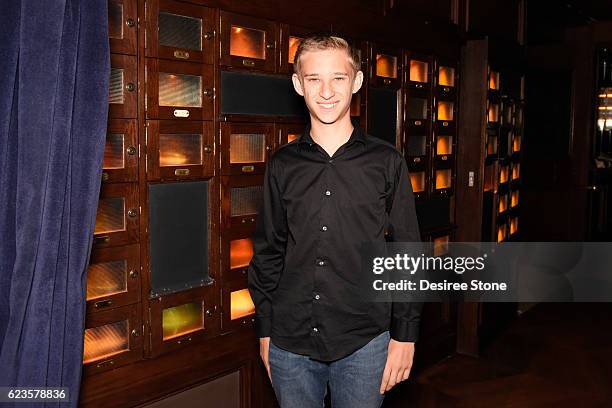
column 446, row 76
column 182, row 319
column 513, row 225
column 418, row 71
column 493, row 114
column 516, row 171
column 440, row 245
column 501, row 233
column 503, row 204
column 417, row 180
column 514, row 199
column 106, row 279
column 247, row 42
column 241, row 252
column 386, row 66
column 241, row 304
column 516, row 143
column 443, row 179
column 445, row 110
column 105, row 341
column 444, row 145
column 291, row 137
column 294, row 42
column 494, row 80
column 503, row 174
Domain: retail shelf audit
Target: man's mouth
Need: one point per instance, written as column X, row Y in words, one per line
column 328, row 106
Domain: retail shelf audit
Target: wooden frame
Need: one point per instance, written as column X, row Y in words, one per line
column 228, row 273
column 286, row 129
column 205, row 14
column 227, row 183
column 210, row 319
column 131, row 256
column 231, row 128
column 378, row 80
column 128, row 108
column 126, row 43
column 157, row 111
column 155, row 171
column 244, row 62
column 131, row 214
column 227, row 323
column 413, row 85
column 132, row 314
column 446, row 89
column 129, row 171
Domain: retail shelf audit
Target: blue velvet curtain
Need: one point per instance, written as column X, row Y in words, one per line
column 54, row 69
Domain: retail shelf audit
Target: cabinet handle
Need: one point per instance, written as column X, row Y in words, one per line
column 103, row 303
column 130, row 87
column 132, row 213
column 131, row 150
column 208, row 149
column 133, row 274
column 208, row 35
column 130, row 22
column 135, row 333
column 208, row 92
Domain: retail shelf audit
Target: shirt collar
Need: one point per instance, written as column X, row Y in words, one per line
column 358, row 135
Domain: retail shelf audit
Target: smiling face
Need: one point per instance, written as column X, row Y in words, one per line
column 327, row 81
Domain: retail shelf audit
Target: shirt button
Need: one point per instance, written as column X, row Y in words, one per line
column 324, row 228
column 314, row 329
column 317, row 296
column 327, row 193
column 320, row 262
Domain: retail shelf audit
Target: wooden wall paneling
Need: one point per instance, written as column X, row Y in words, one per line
column 117, row 215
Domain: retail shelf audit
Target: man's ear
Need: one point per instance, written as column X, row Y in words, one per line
column 297, row 84
column 357, row 82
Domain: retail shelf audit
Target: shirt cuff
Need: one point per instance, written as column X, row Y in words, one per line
column 402, row 330
column 263, row 326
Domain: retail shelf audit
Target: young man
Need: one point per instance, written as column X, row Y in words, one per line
column 325, row 194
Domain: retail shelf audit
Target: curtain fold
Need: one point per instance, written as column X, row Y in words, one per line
column 53, row 111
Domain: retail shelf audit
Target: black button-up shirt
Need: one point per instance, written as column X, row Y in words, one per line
column 317, row 210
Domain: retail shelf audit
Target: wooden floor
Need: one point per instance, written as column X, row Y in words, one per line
column 554, row 355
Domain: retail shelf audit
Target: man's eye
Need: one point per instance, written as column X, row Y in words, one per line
column 313, row 79
column 340, row 78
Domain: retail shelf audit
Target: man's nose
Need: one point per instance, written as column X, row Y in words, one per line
column 326, row 90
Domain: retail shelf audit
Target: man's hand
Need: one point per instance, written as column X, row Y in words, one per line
column 264, row 351
column 399, row 363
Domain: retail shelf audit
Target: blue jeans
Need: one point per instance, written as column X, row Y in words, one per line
column 354, row 381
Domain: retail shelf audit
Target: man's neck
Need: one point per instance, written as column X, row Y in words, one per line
column 331, row 137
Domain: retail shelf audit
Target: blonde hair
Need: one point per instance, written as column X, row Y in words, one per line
column 320, row 42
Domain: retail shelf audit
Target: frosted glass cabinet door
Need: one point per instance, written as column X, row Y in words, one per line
column 113, row 277
column 248, row 42
column 181, row 32
column 245, row 147
column 116, row 216
column 386, row 67
column 122, row 26
column 123, row 92
column 180, row 150
column 112, row 338
column 120, row 163
column 179, row 90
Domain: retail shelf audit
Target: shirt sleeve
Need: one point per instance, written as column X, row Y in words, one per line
column 269, row 243
column 404, row 227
